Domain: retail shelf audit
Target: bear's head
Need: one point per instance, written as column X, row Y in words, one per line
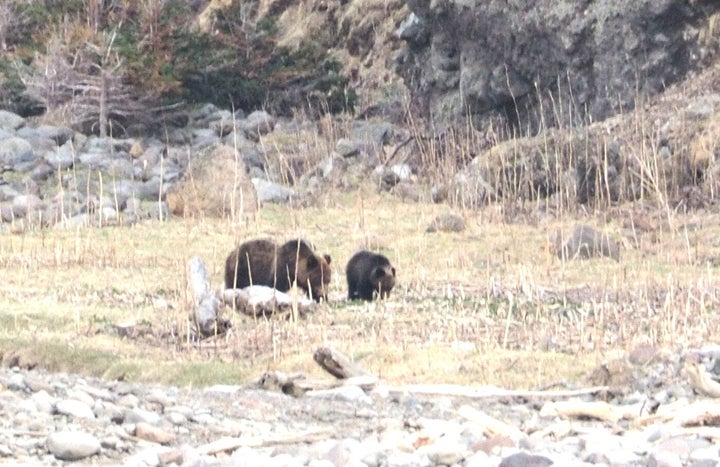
column 383, row 279
column 314, row 276
column 308, row 269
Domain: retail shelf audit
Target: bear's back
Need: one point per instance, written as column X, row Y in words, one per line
column 251, row 263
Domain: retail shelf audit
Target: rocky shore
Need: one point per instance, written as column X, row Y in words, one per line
column 655, row 419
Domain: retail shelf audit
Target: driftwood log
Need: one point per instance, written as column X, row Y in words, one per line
column 347, row 372
column 700, row 379
column 338, row 364
column 599, row 410
column 491, row 426
column 231, row 444
column 205, row 301
column 259, row 300
column 297, row 384
column 701, row 413
column 488, row 392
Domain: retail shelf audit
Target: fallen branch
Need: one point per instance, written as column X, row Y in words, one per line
column 702, row 413
column 231, row 444
column 486, row 392
column 708, row 432
column 596, row 409
column 338, row 364
column 491, row 426
column 700, row 379
column 297, row 384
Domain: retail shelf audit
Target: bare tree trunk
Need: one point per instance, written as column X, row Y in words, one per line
column 94, row 12
column 206, row 302
column 103, row 117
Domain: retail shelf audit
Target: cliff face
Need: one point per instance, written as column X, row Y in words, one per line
column 529, row 63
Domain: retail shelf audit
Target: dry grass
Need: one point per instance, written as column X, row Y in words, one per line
column 486, row 306
column 489, row 305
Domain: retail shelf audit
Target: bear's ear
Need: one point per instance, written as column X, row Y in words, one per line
column 312, row 262
column 393, row 271
column 328, row 259
column 378, row 273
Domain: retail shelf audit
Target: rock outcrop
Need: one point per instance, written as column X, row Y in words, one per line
column 533, row 64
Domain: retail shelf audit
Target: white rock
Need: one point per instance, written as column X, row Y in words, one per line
column 478, row 459
column 343, row 451
column 81, row 396
column 664, row 459
column 71, row 446
column 445, row 451
column 139, row 415
column 74, row 408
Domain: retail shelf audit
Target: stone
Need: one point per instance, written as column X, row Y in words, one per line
column 445, row 451
column 16, row 382
column 523, row 459
column 43, row 401
column 152, row 433
column 138, row 415
column 59, row 134
column 10, row 120
column 74, row 408
column 448, row 222
column 664, row 459
column 72, row 446
column 269, row 192
column 343, row 452
column 584, row 242
column 347, row 148
column 15, row 151
column 257, row 123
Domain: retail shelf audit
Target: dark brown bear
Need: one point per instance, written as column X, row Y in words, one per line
column 263, row 262
column 368, row 275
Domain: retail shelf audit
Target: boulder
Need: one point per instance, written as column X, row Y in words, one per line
column 584, row 242
column 10, row 121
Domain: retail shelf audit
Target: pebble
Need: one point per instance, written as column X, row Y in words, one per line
column 47, row 418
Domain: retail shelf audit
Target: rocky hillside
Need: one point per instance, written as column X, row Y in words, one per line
column 621, row 94
column 534, row 64
column 522, row 66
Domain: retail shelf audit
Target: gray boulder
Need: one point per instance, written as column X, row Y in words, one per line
column 257, row 123
column 15, row 151
column 584, row 242
column 269, row 192
column 448, row 222
column 59, row 134
column 72, row 446
column 25, row 204
column 61, row 157
column 203, row 138
column 10, row 121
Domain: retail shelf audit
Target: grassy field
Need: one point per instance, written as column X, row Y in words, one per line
column 489, row 305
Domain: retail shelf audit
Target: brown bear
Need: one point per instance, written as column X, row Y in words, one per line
column 368, row 275
column 263, row 262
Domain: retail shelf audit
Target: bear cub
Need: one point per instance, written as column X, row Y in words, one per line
column 368, row 275
column 263, row 262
